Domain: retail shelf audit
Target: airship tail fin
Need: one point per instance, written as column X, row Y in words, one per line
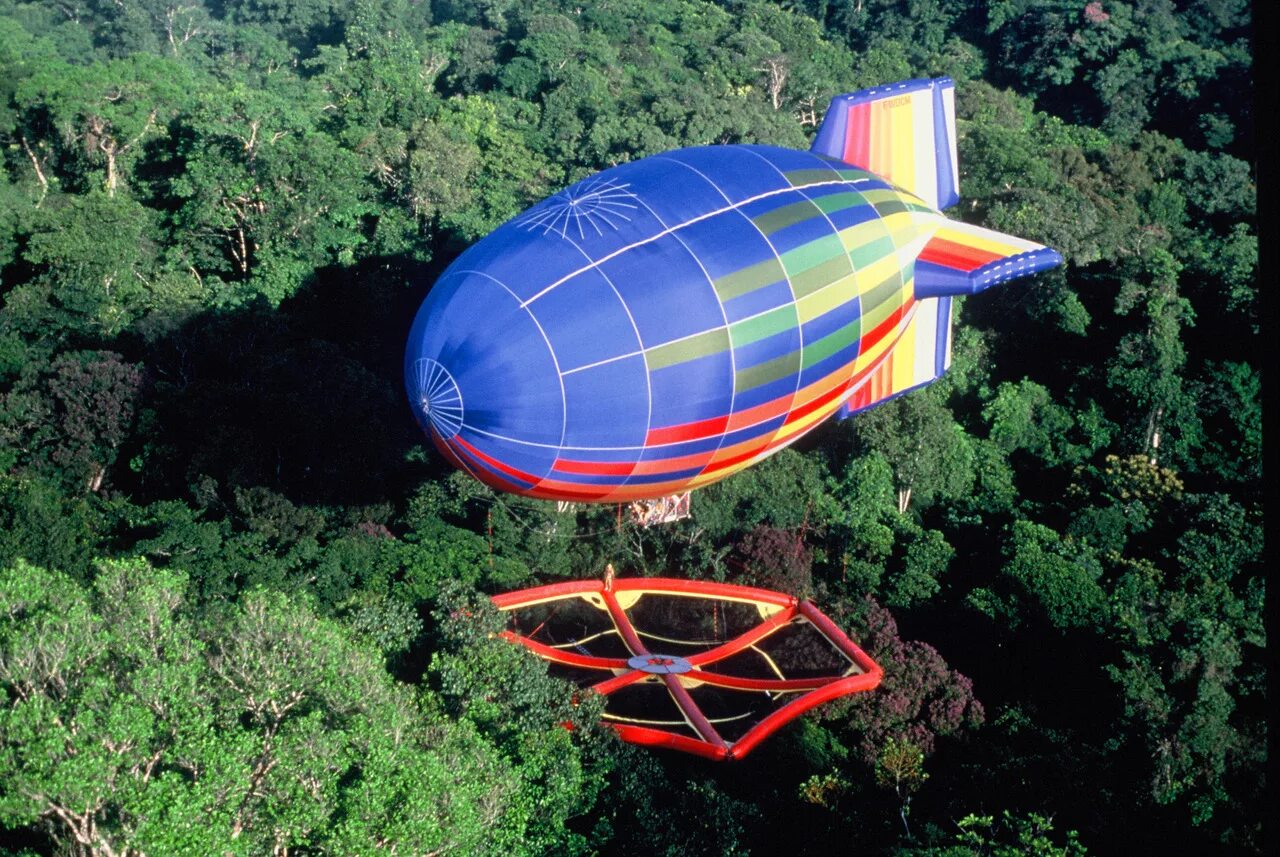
column 919, row 357
column 962, row 259
column 904, row 132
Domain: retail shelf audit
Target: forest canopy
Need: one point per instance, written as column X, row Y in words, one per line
column 242, row 601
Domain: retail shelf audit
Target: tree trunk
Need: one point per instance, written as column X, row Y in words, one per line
column 776, row 70
column 1153, row 434
column 111, row 170
column 35, row 163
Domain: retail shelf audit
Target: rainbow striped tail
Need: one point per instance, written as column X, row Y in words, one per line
column 963, row 259
column 904, row 132
column 960, row 259
column 919, row 357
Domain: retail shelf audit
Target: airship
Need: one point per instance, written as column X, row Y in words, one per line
column 663, row 324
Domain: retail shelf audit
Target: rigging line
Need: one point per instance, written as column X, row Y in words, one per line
column 769, row 661
column 543, row 533
column 713, row 643
column 541, row 625
column 743, row 716
column 580, row 640
column 618, row 717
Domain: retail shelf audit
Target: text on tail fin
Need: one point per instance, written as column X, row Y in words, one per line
column 903, row 132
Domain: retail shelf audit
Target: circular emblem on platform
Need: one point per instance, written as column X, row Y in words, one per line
column 660, row 664
column 438, row 398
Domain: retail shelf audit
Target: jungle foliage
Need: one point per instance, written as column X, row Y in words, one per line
column 241, row 600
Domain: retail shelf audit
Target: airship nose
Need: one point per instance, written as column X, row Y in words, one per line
column 439, row 402
column 483, row 380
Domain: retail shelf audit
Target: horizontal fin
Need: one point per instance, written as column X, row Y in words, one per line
column 904, row 132
column 962, row 259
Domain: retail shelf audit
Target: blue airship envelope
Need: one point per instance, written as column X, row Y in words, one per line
column 665, row 323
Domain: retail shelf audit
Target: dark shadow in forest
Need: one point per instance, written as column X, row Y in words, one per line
column 305, row 399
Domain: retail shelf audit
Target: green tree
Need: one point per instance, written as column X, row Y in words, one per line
column 929, row 452
column 878, row 550
column 125, row 728
column 1149, row 361
column 1010, row 835
column 100, row 116
column 779, row 491
column 859, row 508
column 1190, row 633
column 97, row 263
column 549, row 733
column 900, row 768
column 265, row 197
column 41, row 523
column 1023, row 416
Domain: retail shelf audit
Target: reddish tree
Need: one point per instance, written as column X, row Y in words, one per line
column 775, row 558
column 920, row 697
column 93, row 393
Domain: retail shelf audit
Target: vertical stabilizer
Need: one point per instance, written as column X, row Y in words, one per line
column 903, row 132
column 919, row 357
